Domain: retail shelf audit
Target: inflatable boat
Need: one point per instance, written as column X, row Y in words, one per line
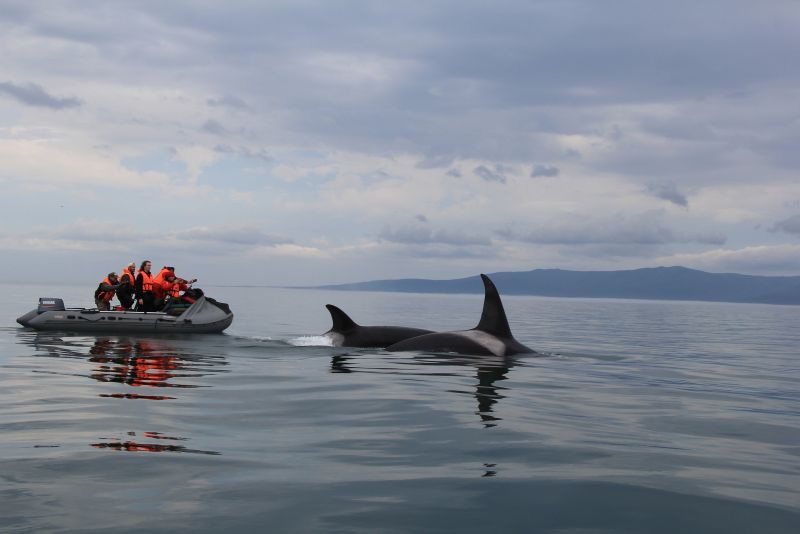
column 204, row 316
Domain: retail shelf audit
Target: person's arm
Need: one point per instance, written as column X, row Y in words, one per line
column 107, row 287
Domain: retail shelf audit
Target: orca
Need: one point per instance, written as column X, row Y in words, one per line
column 347, row 333
column 492, row 336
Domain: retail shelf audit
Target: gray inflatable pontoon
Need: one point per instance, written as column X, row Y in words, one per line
column 204, row 316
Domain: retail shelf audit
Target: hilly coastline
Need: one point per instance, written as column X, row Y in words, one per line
column 660, row 283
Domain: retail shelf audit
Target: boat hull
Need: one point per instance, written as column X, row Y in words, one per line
column 205, row 316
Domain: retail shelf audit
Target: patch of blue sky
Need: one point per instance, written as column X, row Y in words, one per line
column 238, row 173
column 311, row 181
column 57, row 206
column 310, row 155
column 305, row 230
column 10, row 116
column 162, row 160
column 252, row 175
column 49, row 207
column 377, row 176
column 746, row 233
column 452, row 199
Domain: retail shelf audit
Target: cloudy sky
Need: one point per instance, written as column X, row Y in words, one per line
column 303, row 142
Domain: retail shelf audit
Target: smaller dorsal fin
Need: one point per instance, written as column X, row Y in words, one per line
column 341, row 321
column 493, row 318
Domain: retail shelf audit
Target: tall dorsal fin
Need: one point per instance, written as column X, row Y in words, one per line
column 341, row 321
column 493, row 318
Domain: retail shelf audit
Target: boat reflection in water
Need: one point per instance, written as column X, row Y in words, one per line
column 489, row 370
column 142, row 366
column 131, row 445
column 138, row 363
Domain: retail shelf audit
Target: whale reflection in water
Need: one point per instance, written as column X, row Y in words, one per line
column 489, row 370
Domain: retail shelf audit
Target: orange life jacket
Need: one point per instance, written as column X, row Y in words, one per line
column 160, row 276
column 147, row 282
column 158, row 289
column 105, row 296
column 176, row 289
column 125, row 272
column 159, row 284
column 165, row 287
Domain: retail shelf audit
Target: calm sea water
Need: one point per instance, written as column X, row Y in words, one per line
column 641, row 417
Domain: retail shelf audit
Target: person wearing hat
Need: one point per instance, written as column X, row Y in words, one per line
column 171, row 287
column 105, row 292
column 159, row 283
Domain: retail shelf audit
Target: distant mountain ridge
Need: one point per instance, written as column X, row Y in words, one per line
column 660, row 283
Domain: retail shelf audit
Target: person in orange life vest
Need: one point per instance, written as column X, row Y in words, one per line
column 105, row 291
column 185, row 283
column 174, row 285
column 128, row 280
column 128, row 274
column 158, row 282
column 145, row 299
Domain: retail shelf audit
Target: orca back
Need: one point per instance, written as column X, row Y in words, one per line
column 493, row 318
column 492, row 336
column 341, row 321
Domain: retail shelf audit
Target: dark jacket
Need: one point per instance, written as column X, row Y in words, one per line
column 138, row 289
column 104, row 288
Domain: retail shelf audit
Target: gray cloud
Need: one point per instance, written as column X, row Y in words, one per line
column 789, row 226
column 238, row 235
column 668, row 191
column 489, row 175
column 32, row 94
column 696, row 107
column 436, row 161
column 84, row 231
column 426, row 235
column 243, row 151
column 95, row 232
column 228, row 101
column 681, row 128
column 643, row 229
column 214, row 127
column 421, row 218
column 780, row 259
column 544, row 170
column 474, row 89
column 443, row 251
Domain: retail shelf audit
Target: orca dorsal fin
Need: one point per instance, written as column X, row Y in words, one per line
column 493, row 318
column 341, row 321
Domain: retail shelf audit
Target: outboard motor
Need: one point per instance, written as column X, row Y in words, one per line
column 50, row 304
